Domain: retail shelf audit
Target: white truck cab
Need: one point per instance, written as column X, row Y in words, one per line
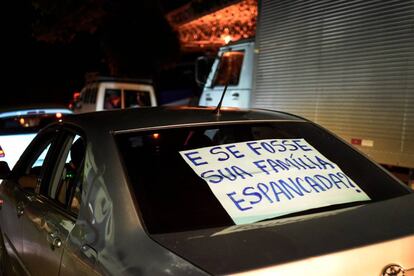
column 105, row 93
column 233, row 67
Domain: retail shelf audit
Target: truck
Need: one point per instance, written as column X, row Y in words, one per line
column 346, row 66
column 104, row 93
column 233, row 67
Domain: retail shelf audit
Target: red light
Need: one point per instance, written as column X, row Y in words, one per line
column 356, row 141
column 155, row 135
column 76, row 95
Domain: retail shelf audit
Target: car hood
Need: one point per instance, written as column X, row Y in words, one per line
column 346, row 239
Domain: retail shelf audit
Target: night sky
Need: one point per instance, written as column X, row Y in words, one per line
column 65, row 39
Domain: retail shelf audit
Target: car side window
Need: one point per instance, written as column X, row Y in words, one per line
column 136, row 98
column 112, row 99
column 31, row 178
column 65, row 187
column 41, row 158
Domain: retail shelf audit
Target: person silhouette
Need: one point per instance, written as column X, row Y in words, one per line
column 113, row 101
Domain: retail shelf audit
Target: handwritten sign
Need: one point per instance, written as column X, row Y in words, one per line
column 262, row 179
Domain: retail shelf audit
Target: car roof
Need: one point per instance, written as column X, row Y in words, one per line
column 154, row 117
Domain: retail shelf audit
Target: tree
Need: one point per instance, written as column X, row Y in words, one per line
column 133, row 36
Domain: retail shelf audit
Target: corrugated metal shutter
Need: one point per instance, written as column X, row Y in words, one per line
column 348, row 65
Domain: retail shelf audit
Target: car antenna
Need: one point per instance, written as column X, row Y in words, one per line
column 217, row 110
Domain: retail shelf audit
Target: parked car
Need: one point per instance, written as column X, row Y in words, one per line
column 19, row 125
column 192, row 191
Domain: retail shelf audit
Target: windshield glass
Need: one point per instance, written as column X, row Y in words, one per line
column 201, row 177
column 29, row 121
column 136, row 98
column 229, row 68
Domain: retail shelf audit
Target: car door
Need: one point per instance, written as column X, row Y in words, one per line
column 19, row 191
column 49, row 219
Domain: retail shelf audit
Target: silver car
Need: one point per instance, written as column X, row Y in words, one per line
column 193, row 191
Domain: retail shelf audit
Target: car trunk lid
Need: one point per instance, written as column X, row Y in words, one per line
column 362, row 239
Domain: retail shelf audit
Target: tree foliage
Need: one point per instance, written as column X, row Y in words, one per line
column 133, row 36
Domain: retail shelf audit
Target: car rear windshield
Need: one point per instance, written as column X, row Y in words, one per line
column 27, row 123
column 192, row 178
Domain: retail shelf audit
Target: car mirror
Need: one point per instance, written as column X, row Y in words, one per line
column 4, row 170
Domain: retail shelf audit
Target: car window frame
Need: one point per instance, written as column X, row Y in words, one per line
column 28, row 157
column 59, row 135
column 58, row 168
column 73, row 130
column 67, row 134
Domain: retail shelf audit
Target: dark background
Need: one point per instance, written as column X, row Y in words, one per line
column 52, row 44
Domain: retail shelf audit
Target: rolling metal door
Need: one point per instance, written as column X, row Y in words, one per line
column 348, row 65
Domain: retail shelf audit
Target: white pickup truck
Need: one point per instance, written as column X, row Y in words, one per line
column 103, row 93
column 18, row 127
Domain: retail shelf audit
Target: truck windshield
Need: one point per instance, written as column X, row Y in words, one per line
column 229, row 68
column 192, row 178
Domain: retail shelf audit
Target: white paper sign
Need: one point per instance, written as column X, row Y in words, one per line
column 262, row 179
